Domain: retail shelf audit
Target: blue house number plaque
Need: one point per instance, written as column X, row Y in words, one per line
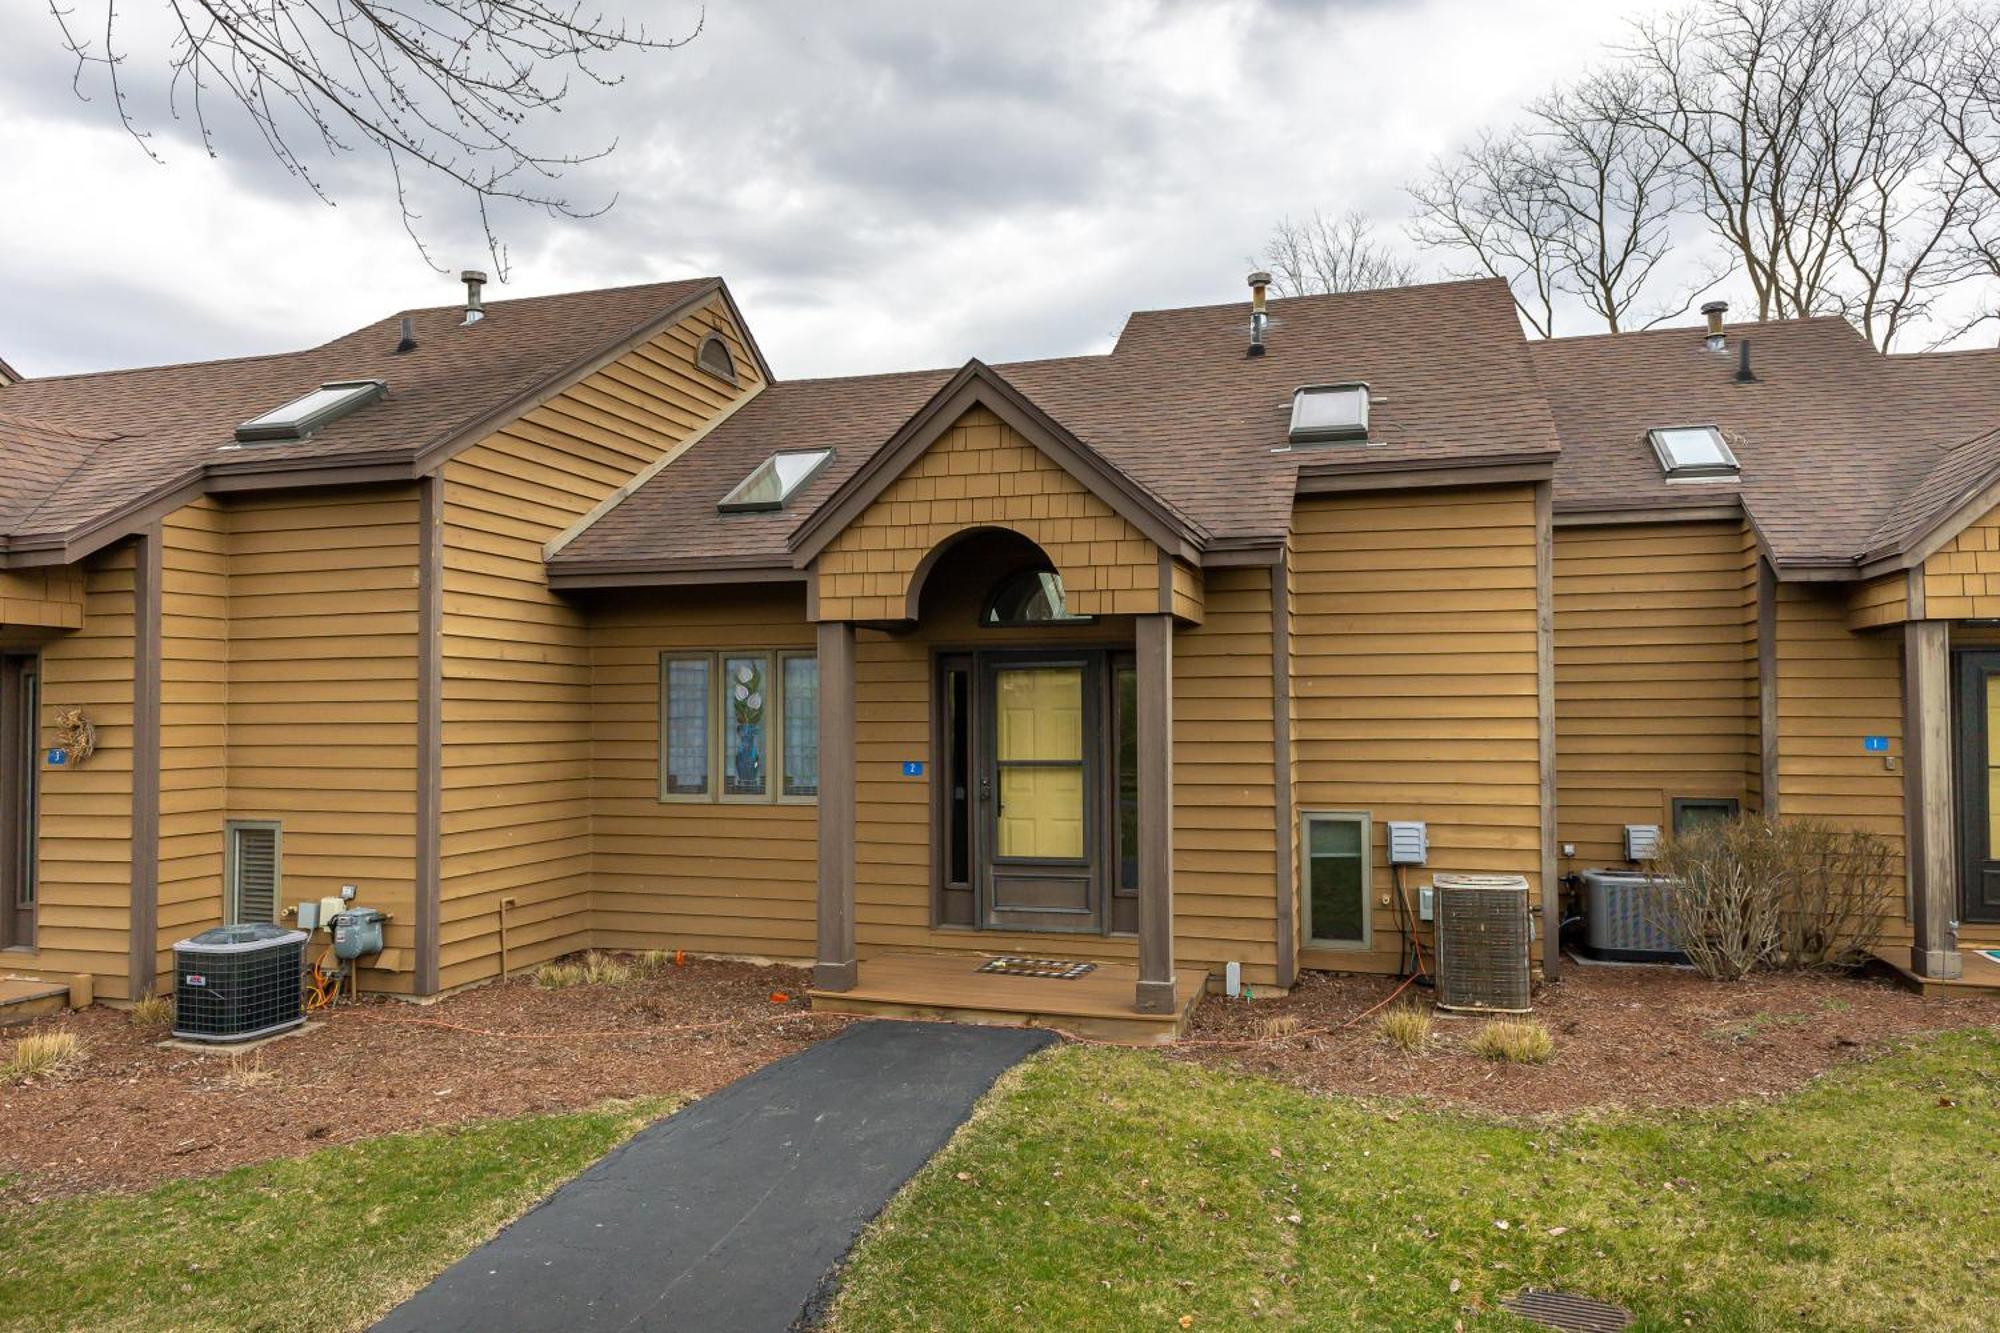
column 913, row 768
column 1875, row 744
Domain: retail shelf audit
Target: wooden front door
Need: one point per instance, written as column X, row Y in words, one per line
column 1977, row 709
column 20, row 703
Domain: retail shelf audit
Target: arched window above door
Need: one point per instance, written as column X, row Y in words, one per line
column 1031, row 597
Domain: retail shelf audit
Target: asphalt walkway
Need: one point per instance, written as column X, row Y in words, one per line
column 729, row 1214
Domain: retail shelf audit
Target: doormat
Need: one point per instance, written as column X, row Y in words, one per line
column 1990, row 955
column 1055, row 968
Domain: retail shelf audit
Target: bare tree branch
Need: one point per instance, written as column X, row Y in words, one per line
column 1321, row 255
column 456, row 88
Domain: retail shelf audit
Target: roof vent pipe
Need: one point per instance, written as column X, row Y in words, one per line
column 408, row 341
column 1259, row 320
column 1743, row 375
column 475, row 309
column 1714, row 311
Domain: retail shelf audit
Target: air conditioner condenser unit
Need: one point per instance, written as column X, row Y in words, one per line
column 1485, row 935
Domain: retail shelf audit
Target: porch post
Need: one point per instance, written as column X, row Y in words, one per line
column 1154, row 636
column 834, row 967
column 1927, row 798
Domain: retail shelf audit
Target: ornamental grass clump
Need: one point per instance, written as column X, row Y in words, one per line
column 1518, row 1041
column 152, row 1011
column 1407, row 1027
column 40, row 1054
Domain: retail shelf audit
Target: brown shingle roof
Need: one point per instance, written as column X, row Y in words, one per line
column 1176, row 406
column 121, row 437
column 1834, row 438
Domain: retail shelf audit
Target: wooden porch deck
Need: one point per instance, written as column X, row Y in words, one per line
column 24, row 998
column 1982, row 974
column 950, row 987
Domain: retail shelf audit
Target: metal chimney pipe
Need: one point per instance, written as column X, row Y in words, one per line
column 408, row 341
column 475, row 309
column 1713, row 312
column 1259, row 319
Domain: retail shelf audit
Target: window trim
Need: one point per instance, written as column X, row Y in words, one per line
column 716, row 339
column 778, row 769
column 1307, row 939
column 1679, row 803
column 774, row 738
column 232, row 914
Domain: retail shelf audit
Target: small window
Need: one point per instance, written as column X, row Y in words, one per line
column 1335, row 850
column 1330, row 412
column 800, row 692
column 1696, row 812
column 713, row 356
column 1693, row 453
column 685, row 743
column 1031, row 597
column 746, row 725
column 304, row 415
column 250, row 872
column 772, row 481
column 739, row 726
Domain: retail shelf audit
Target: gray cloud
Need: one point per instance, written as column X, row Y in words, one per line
column 883, row 184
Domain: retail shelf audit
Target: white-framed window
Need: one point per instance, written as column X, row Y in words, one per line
column 739, row 725
column 1336, row 852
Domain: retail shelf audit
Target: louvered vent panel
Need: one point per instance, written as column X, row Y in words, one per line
column 1483, row 936
column 254, row 863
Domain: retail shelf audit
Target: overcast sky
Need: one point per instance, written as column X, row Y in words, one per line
column 885, row 186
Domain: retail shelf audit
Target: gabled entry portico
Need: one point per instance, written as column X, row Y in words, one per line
column 1029, row 595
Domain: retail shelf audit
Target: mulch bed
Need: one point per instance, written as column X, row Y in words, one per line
column 1625, row 1037
column 131, row 1113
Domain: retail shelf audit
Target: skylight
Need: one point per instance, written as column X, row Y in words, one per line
column 771, row 483
column 1330, row 412
column 307, row 413
column 1693, row 453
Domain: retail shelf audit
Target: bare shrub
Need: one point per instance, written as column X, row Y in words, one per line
column 40, row 1054
column 1720, row 903
column 1757, row 892
column 1407, row 1026
column 1520, row 1041
column 1834, row 914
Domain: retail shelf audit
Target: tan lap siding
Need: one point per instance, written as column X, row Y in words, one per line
column 322, row 707
column 1835, row 689
column 1225, row 837
column 83, row 919
column 709, row 877
column 1649, row 677
column 194, row 694
column 1415, row 682
column 516, row 809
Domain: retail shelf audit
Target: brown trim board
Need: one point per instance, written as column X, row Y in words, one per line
column 1767, row 684
column 1281, row 771
column 977, row 384
column 1545, row 714
column 430, row 727
column 143, row 943
column 1492, row 472
column 1153, row 647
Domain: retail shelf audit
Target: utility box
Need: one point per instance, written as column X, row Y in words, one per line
column 1642, row 842
column 357, row 933
column 1409, row 842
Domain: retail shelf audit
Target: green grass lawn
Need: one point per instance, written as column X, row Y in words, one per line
column 1101, row 1189
column 324, row 1242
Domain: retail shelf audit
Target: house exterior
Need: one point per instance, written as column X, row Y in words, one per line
column 579, row 628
